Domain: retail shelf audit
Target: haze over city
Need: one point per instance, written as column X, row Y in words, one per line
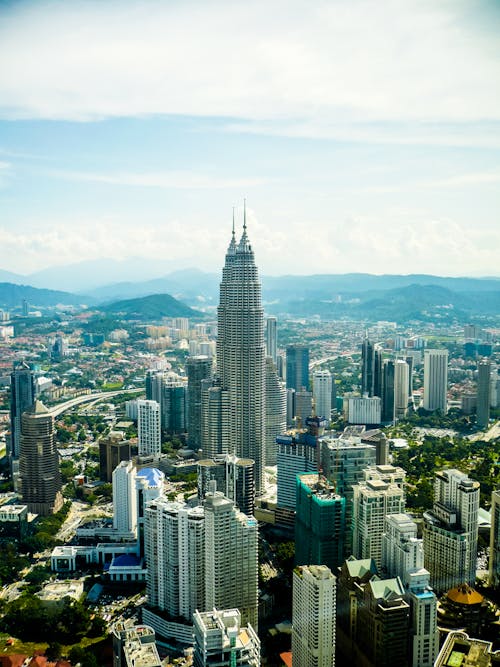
column 365, row 136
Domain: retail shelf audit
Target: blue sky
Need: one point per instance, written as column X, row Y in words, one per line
column 365, row 136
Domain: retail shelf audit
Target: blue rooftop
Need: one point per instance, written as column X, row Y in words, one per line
column 126, row 560
column 153, row 475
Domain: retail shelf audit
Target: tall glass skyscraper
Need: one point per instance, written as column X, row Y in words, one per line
column 22, row 397
column 241, row 355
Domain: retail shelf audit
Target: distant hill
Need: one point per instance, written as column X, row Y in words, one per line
column 412, row 302
column 153, row 306
column 11, row 296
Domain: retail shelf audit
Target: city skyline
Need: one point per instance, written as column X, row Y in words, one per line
column 346, row 126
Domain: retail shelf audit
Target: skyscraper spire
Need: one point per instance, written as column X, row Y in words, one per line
column 232, row 244
column 244, row 245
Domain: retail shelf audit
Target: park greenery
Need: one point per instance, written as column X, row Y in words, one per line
column 28, row 617
column 477, row 458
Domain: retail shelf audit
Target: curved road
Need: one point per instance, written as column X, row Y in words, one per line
column 87, row 398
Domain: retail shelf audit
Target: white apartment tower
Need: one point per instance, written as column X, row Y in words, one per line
column 435, row 379
column 271, row 338
column 149, row 427
column 275, row 410
column 450, row 531
column 494, row 565
column 125, row 498
column 403, row 557
column 322, row 392
column 174, row 545
column 313, row 616
column 231, row 565
column 241, row 354
column 401, row 386
column 373, row 500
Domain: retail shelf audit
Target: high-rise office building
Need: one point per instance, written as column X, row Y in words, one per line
column 303, row 406
column 297, row 367
column 59, row 349
column 343, row 461
column 373, row 617
column 371, row 367
column 364, row 410
column 148, row 427
column 313, row 616
column 373, row 500
column 173, row 404
column 319, row 522
column 483, row 392
column 494, row 564
column 22, row 397
column 231, row 564
column 401, row 385
column 215, row 428
column 221, row 639
column 388, row 370
column 297, row 453
column 435, row 380
column 113, row 448
column 450, row 531
column 125, row 498
column 241, row 354
column 198, row 369
column 233, row 477
column 39, row 476
column 403, row 557
column 322, row 392
column 275, row 410
column 272, row 338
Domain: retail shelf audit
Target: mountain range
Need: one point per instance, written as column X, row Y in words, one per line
column 354, row 295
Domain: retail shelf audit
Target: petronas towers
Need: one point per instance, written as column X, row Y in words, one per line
column 241, row 356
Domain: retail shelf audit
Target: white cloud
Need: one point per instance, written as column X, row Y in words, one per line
column 394, row 241
column 164, row 179
column 318, row 66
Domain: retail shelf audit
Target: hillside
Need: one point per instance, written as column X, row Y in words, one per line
column 153, row 306
column 11, row 296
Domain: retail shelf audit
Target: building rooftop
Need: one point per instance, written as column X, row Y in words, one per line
column 464, row 594
column 459, row 650
column 154, row 476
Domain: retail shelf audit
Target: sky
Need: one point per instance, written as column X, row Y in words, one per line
column 365, row 136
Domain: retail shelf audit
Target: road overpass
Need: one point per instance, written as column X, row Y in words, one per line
column 88, row 398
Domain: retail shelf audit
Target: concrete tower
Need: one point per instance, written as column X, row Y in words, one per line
column 314, row 616
column 322, row 391
column 401, row 384
column 275, row 410
column 483, row 392
column 39, row 462
column 435, row 379
column 297, row 367
column 231, row 564
column 494, row 563
column 272, row 338
column 198, row 369
column 149, row 427
column 241, row 354
column 22, row 397
column 450, row 531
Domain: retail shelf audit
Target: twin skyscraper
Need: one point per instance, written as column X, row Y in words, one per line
column 241, row 359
